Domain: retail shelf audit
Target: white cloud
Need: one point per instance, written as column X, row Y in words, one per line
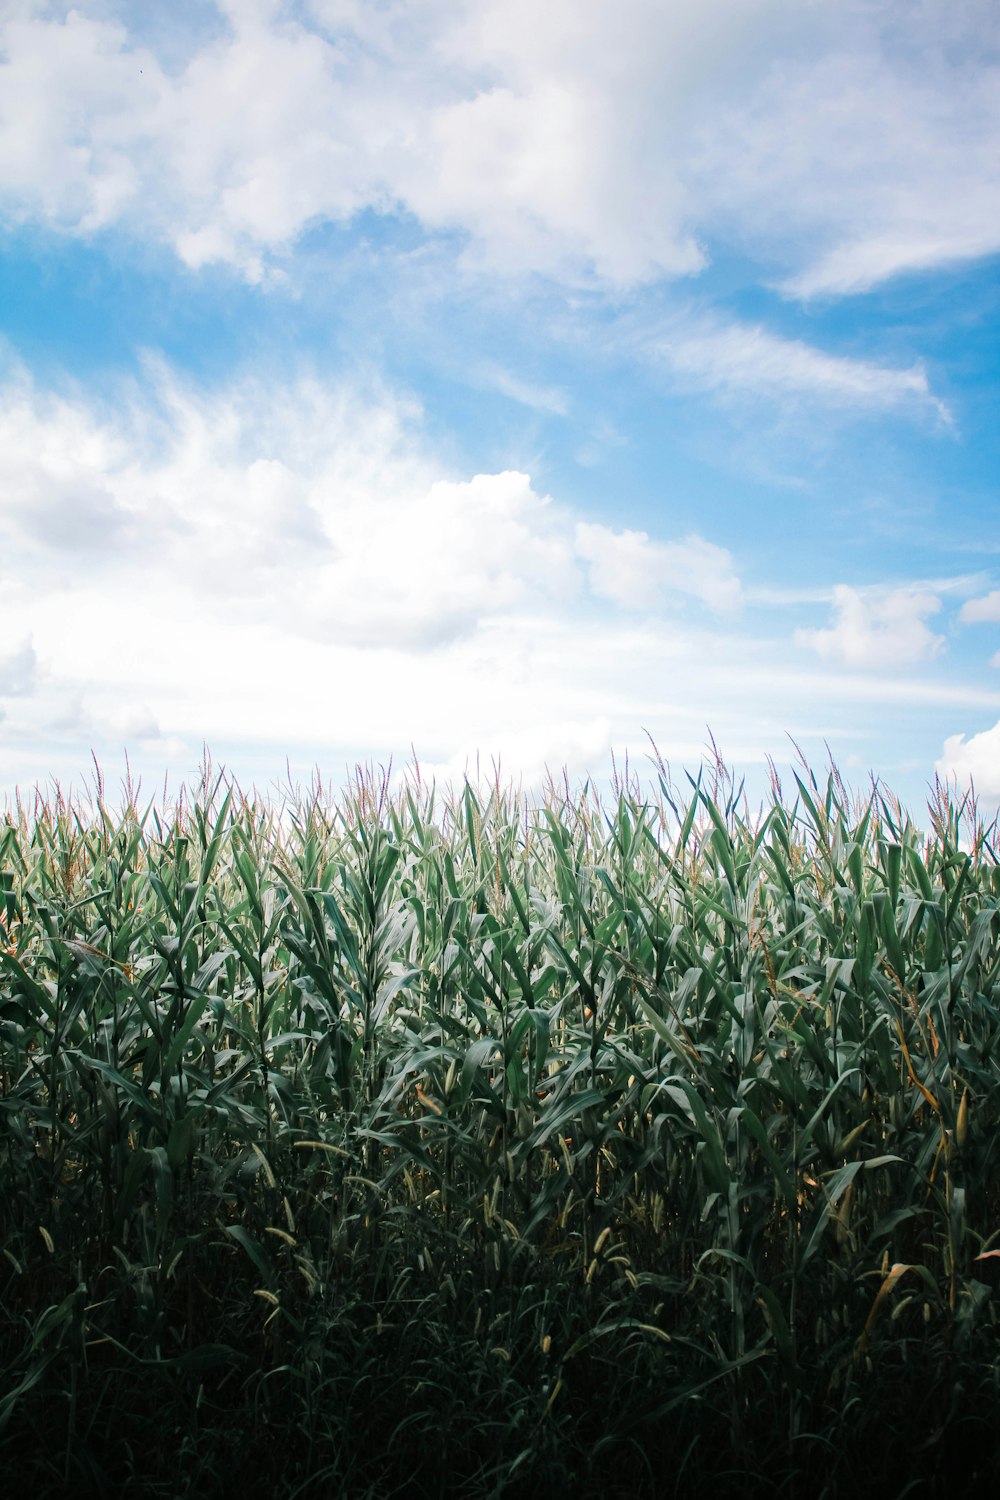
column 984, row 610
column 424, row 570
column 976, row 759
column 98, row 719
column 289, row 570
column 869, row 148
column 292, row 561
column 547, row 398
column 312, row 501
column 18, row 671
column 861, row 265
column 633, row 571
column 530, row 753
column 315, row 502
column 748, row 359
column 877, row 629
column 846, row 143
column 273, row 124
column 863, row 690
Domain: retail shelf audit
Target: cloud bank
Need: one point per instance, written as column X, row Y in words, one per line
column 844, row 143
column 284, row 567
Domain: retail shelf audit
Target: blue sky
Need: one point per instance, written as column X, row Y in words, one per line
column 500, row 381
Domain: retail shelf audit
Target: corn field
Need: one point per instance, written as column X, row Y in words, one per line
column 424, row 1144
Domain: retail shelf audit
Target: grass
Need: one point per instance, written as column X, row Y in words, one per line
column 429, row 1146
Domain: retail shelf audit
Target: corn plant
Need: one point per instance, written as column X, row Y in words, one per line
column 645, row 1140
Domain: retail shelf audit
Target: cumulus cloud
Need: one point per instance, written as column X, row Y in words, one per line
column 638, row 573
column 201, row 563
column 976, row 759
column 277, row 121
column 426, row 570
column 53, row 489
column 877, row 630
column 314, row 502
column 310, row 497
column 984, row 610
column 612, row 140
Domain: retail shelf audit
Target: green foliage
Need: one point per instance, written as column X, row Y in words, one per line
column 632, row 1146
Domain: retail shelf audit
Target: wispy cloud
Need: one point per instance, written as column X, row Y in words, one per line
column 868, row 688
column 543, row 398
column 749, row 360
column 867, row 153
column 859, row 266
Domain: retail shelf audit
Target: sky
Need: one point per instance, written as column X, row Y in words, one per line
column 490, row 383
